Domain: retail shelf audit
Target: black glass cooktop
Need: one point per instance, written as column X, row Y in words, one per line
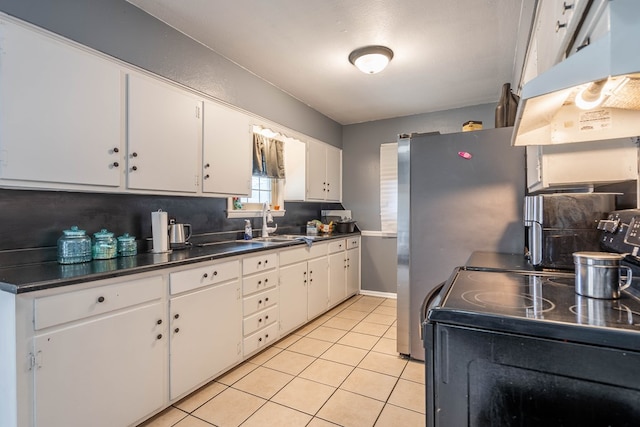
column 536, row 303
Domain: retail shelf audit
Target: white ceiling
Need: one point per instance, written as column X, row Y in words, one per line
column 447, row 53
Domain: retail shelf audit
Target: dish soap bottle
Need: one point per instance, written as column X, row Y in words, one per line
column 248, row 232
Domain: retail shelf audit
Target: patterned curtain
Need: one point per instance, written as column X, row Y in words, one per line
column 268, row 157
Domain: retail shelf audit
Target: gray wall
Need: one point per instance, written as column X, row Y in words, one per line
column 361, row 180
column 121, row 30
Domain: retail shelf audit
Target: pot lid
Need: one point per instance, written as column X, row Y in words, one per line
column 596, row 258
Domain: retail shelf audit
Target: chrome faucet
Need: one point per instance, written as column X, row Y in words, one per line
column 267, row 218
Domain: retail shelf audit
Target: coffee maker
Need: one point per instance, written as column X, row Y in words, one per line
column 560, row 224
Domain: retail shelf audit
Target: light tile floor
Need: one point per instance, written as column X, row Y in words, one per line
column 341, row 369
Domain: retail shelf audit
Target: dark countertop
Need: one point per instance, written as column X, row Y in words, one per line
column 499, row 261
column 19, row 279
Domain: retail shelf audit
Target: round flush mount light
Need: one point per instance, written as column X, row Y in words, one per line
column 371, row 59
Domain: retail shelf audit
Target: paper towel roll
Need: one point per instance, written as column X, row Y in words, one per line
column 160, row 230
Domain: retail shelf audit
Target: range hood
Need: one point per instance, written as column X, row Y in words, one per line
column 608, row 70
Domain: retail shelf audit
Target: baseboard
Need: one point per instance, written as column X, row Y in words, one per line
column 378, row 294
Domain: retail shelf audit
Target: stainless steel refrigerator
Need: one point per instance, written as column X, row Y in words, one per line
column 457, row 193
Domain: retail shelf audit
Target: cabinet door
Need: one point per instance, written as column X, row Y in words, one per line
column 163, row 137
column 293, row 296
column 337, row 278
column 105, row 372
column 205, row 335
column 60, row 113
column 353, row 271
column 227, row 151
column 316, row 171
column 318, row 289
column 334, row 174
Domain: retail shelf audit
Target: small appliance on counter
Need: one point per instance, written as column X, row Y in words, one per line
column 179, row 234
column 560, row 224
column 342, row 220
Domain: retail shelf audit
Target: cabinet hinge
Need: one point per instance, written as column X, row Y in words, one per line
column 197, row 111
column 35, row 360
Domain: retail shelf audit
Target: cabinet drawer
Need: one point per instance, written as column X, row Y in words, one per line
column 260, row 301
column 353, row 242
column 57, row 309
column 303, row 253
column 261, row 339
column 260, row 320
column 336, row 246
column 195, row 278
column 259, row 282
column 266, row 261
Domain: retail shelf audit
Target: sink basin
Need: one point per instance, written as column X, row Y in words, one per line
column 282, row 238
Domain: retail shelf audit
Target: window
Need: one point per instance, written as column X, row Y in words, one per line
column 389, row 188
column 261, row 190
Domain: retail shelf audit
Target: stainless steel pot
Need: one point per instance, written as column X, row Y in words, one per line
column 599, row 274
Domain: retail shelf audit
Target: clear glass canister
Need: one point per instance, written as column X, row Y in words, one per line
column 105, row 246
column 127, row 245
column 74, row 246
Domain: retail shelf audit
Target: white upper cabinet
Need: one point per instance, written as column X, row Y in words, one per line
column 555, row 24
column 324, row 167
column 164, row 131
column 60, row 112
column 227, row 151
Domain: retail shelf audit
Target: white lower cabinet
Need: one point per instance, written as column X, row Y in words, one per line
column 105, row 372
column 304, row 285
column 353, row 266
column 318, row 289
column 260, row 298
column 205, row 329
column 114, row 352
column 293, row 296
column 99, row 355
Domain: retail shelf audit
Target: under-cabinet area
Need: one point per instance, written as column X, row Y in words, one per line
column 139, row 342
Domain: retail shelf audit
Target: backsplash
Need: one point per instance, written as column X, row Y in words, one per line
column 35, row 219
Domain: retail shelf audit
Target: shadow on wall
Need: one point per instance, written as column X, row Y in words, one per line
column 35, row 219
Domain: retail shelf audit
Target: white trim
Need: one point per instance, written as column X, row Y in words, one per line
column 379, row 294
column 373, row 233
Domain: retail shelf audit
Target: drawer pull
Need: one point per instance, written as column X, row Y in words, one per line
column 176, row 316
column 159, row 336
column 159, row 322
column 215, row 273
column 176, row 330
column 266, row 299
column 265, row 281
column 100, row 299
column 259, row 282
column 266, row 317
column 205, row 275
column 266, row 336
column 266, row 261
column 260, row 320
column 260, row 339
column 259, row 301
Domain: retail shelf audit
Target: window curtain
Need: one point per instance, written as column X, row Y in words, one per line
column 268, row 157
column 389, row 188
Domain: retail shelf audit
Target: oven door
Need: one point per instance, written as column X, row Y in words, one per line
column 432, row 300
column 486, row 378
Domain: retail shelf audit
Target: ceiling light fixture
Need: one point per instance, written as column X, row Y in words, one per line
column 371, row 59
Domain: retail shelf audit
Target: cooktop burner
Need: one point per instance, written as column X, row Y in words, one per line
column 522, row 301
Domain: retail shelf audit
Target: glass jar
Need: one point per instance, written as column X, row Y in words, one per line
column 74, row 246
column 127, row 245
column 105, row 246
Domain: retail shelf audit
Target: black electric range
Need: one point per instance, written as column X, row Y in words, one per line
column 542, row 304
column 521, row 348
